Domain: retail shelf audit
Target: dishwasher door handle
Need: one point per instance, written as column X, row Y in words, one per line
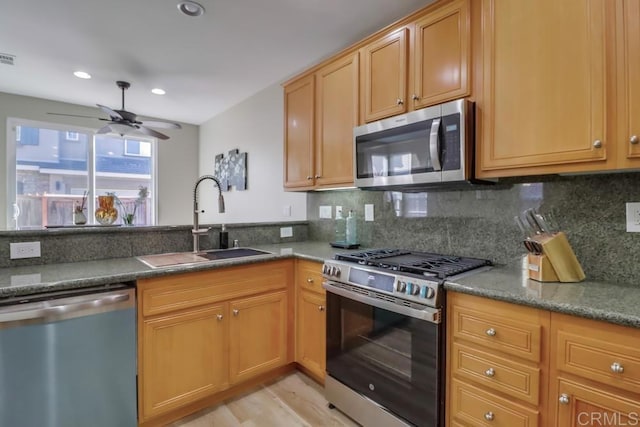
column 64, row 308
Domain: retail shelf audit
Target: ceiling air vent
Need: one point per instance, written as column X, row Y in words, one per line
column 7, row 59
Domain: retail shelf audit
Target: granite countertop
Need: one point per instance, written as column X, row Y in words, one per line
column 610, row 302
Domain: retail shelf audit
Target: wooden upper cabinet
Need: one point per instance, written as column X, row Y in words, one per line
column 384, row 76
column 442, row 55
column 543, row 107
column 299, row 133
column 628, row 78
column 336, row 116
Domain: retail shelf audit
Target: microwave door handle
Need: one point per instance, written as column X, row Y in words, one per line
column 434, row 146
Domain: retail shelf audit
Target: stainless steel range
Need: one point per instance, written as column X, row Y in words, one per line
column 385, row 334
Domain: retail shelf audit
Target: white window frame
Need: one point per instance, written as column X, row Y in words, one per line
column 13, row 124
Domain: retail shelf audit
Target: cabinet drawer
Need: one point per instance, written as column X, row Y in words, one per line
column 500, row 326
column 473, row 406
column 309, row 276
column 179, row 291
column 598, row 351
column 500, row 374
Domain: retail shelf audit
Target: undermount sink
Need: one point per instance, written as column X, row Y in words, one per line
column 190, row 258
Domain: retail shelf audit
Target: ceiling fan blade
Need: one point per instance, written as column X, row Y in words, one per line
column 161, row 125
column 151, row 132
column 76, row 115
column 104, row 129
column 109, row 111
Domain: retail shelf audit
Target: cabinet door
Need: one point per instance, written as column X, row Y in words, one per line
column 442, row 55
column 258, row 328
column 629, row 80
column 310, row 334
column 183, row 359
column 384, row 76
column 298, row 133
column 578, row 404
column 336, row 116
column 544, row 87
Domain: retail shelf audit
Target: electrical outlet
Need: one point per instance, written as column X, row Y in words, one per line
column 286, row 232
column 339, row 211
column 633, row 217
column 368, row 212
column 325, row 212
column 24, row 250
column 286, row 210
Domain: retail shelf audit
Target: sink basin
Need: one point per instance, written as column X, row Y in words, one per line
column 190, row 258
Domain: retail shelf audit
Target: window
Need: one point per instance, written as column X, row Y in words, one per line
column 51, row 169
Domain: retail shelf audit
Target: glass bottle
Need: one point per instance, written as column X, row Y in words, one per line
column 351, row 234
column 341, row 228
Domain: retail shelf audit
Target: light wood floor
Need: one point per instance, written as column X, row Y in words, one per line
column 293, row 400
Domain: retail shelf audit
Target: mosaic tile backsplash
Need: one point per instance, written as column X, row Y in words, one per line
column 479, row 223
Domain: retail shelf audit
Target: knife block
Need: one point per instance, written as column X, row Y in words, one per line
column 540, row 268
column 560, row 255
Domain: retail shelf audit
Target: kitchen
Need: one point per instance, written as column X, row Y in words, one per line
column 589, row 207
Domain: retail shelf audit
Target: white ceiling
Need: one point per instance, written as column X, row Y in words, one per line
column 206, row 64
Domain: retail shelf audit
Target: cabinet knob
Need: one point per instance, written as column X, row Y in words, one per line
column 317, row 176
column 564, row 399
column 490, row 372
column 309, row 177
column 399, row 101
column 634, row 139
column 236, row 311
column 219, row 316
column 489, row 416
column 617, row 368
column 309, row 280
column 321, row 307
column 491, row 332
column 597, row 143
column 415, row 97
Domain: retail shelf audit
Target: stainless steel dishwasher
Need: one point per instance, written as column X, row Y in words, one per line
column 68, row 358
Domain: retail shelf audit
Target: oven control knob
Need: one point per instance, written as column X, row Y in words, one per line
column 401, row 286
column 332, row 271
column 336, row 272
column 325, row 269
column 427, row 292
column 415, row 290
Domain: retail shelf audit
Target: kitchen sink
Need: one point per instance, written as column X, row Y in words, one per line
column 192, row 258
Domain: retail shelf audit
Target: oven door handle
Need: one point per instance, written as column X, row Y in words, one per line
column 429, row 314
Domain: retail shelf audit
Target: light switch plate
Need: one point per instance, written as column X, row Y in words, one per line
column 633, row 217
column 24, row 250
column 368, row 212
column 286, row 232
column 286, row 210
column 325, row 212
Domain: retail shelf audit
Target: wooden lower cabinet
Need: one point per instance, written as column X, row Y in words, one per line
column 208, row 333
column 582, row 373
column 310, row 319
column 258, row 327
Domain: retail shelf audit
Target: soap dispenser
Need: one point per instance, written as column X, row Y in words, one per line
column 224, row 237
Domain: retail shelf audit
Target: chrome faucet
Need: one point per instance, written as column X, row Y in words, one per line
column 197, row 231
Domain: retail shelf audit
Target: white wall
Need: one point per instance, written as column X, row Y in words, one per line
column 254, row 126
column 177, row 157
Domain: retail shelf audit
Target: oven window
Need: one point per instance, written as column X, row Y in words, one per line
column 399, row 151
column 386, row 356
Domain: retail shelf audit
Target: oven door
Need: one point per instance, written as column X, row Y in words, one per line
column 392, row 356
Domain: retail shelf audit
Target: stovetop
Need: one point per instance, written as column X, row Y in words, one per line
column 414, row 262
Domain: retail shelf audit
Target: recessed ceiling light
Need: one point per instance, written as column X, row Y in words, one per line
column 82, row 74
column 158, row 91
column 191, row 8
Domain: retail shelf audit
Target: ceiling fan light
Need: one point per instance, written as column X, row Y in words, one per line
column 158, row 91
column 191, row 8
column 82, row 74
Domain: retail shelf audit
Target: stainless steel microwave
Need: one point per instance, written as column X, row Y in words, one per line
column 424, row 149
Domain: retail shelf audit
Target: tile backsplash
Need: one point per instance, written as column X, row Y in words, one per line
column 589, row 209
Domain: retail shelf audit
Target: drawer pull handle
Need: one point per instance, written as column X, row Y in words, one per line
column 617, row 368
column 489, row 416
column 490, row 372
column 309, row 280
column 564, row 399
column 491, row 332
column 236, row 312
column 219, row 316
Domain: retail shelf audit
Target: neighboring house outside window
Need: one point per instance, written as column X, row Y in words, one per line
column 54, row 166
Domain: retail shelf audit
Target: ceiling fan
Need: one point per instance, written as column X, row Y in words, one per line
column 123, row 121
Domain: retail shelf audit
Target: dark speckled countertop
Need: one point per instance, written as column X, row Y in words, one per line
column 610, row 302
